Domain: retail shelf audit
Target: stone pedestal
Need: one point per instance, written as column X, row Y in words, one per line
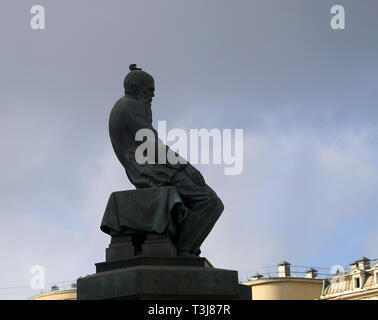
column 140, row 244
column 173, row 278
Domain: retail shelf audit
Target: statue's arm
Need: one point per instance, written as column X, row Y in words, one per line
column 135, row 120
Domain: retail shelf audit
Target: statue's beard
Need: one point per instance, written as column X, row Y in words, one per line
column 146, row 102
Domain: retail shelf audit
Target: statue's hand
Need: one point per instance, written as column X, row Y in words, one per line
column 195, row 175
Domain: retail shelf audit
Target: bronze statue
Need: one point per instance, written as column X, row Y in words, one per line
column 131, row 113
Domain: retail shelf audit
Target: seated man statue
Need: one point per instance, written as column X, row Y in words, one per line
column 131, row 113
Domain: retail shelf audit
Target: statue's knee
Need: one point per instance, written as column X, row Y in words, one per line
column 217, row 203
column 220, row 205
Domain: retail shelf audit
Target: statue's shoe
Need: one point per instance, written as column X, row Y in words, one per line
column 189, row 253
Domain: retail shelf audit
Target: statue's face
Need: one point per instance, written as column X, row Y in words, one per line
column 146, row 92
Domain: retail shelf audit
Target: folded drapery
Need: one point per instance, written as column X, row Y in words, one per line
column 149, row 210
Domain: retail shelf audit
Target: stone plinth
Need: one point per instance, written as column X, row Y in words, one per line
column 170, row 278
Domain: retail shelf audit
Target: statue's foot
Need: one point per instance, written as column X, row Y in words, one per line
column 188, row 253
column 185, row 254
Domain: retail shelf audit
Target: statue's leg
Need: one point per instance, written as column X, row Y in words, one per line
column 205, row 209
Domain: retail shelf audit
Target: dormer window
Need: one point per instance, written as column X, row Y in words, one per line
column 357, row 283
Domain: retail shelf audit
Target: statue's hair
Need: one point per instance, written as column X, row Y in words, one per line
column 135, row 79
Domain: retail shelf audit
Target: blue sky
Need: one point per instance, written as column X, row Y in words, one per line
column 304, row 94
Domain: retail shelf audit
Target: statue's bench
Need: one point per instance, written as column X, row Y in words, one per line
column 143, row 222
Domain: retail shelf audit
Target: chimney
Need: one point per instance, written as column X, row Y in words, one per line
column 311, row 273
column 54, row 287
column 363, row 263
column 353, row 266
column 284, row 269
column 257, row 276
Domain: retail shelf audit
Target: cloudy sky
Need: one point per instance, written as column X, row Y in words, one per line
column 304, row 94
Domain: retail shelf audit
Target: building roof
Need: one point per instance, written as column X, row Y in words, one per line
column 64, row 294
column 363, row 259
column 343, row 283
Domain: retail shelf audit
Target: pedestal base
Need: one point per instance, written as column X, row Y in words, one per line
column 195, row 280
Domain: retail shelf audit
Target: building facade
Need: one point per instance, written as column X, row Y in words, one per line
column 360, row 283
column 57, row 293
column 285, row 286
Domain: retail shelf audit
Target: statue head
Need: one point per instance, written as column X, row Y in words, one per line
column 139, row 84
